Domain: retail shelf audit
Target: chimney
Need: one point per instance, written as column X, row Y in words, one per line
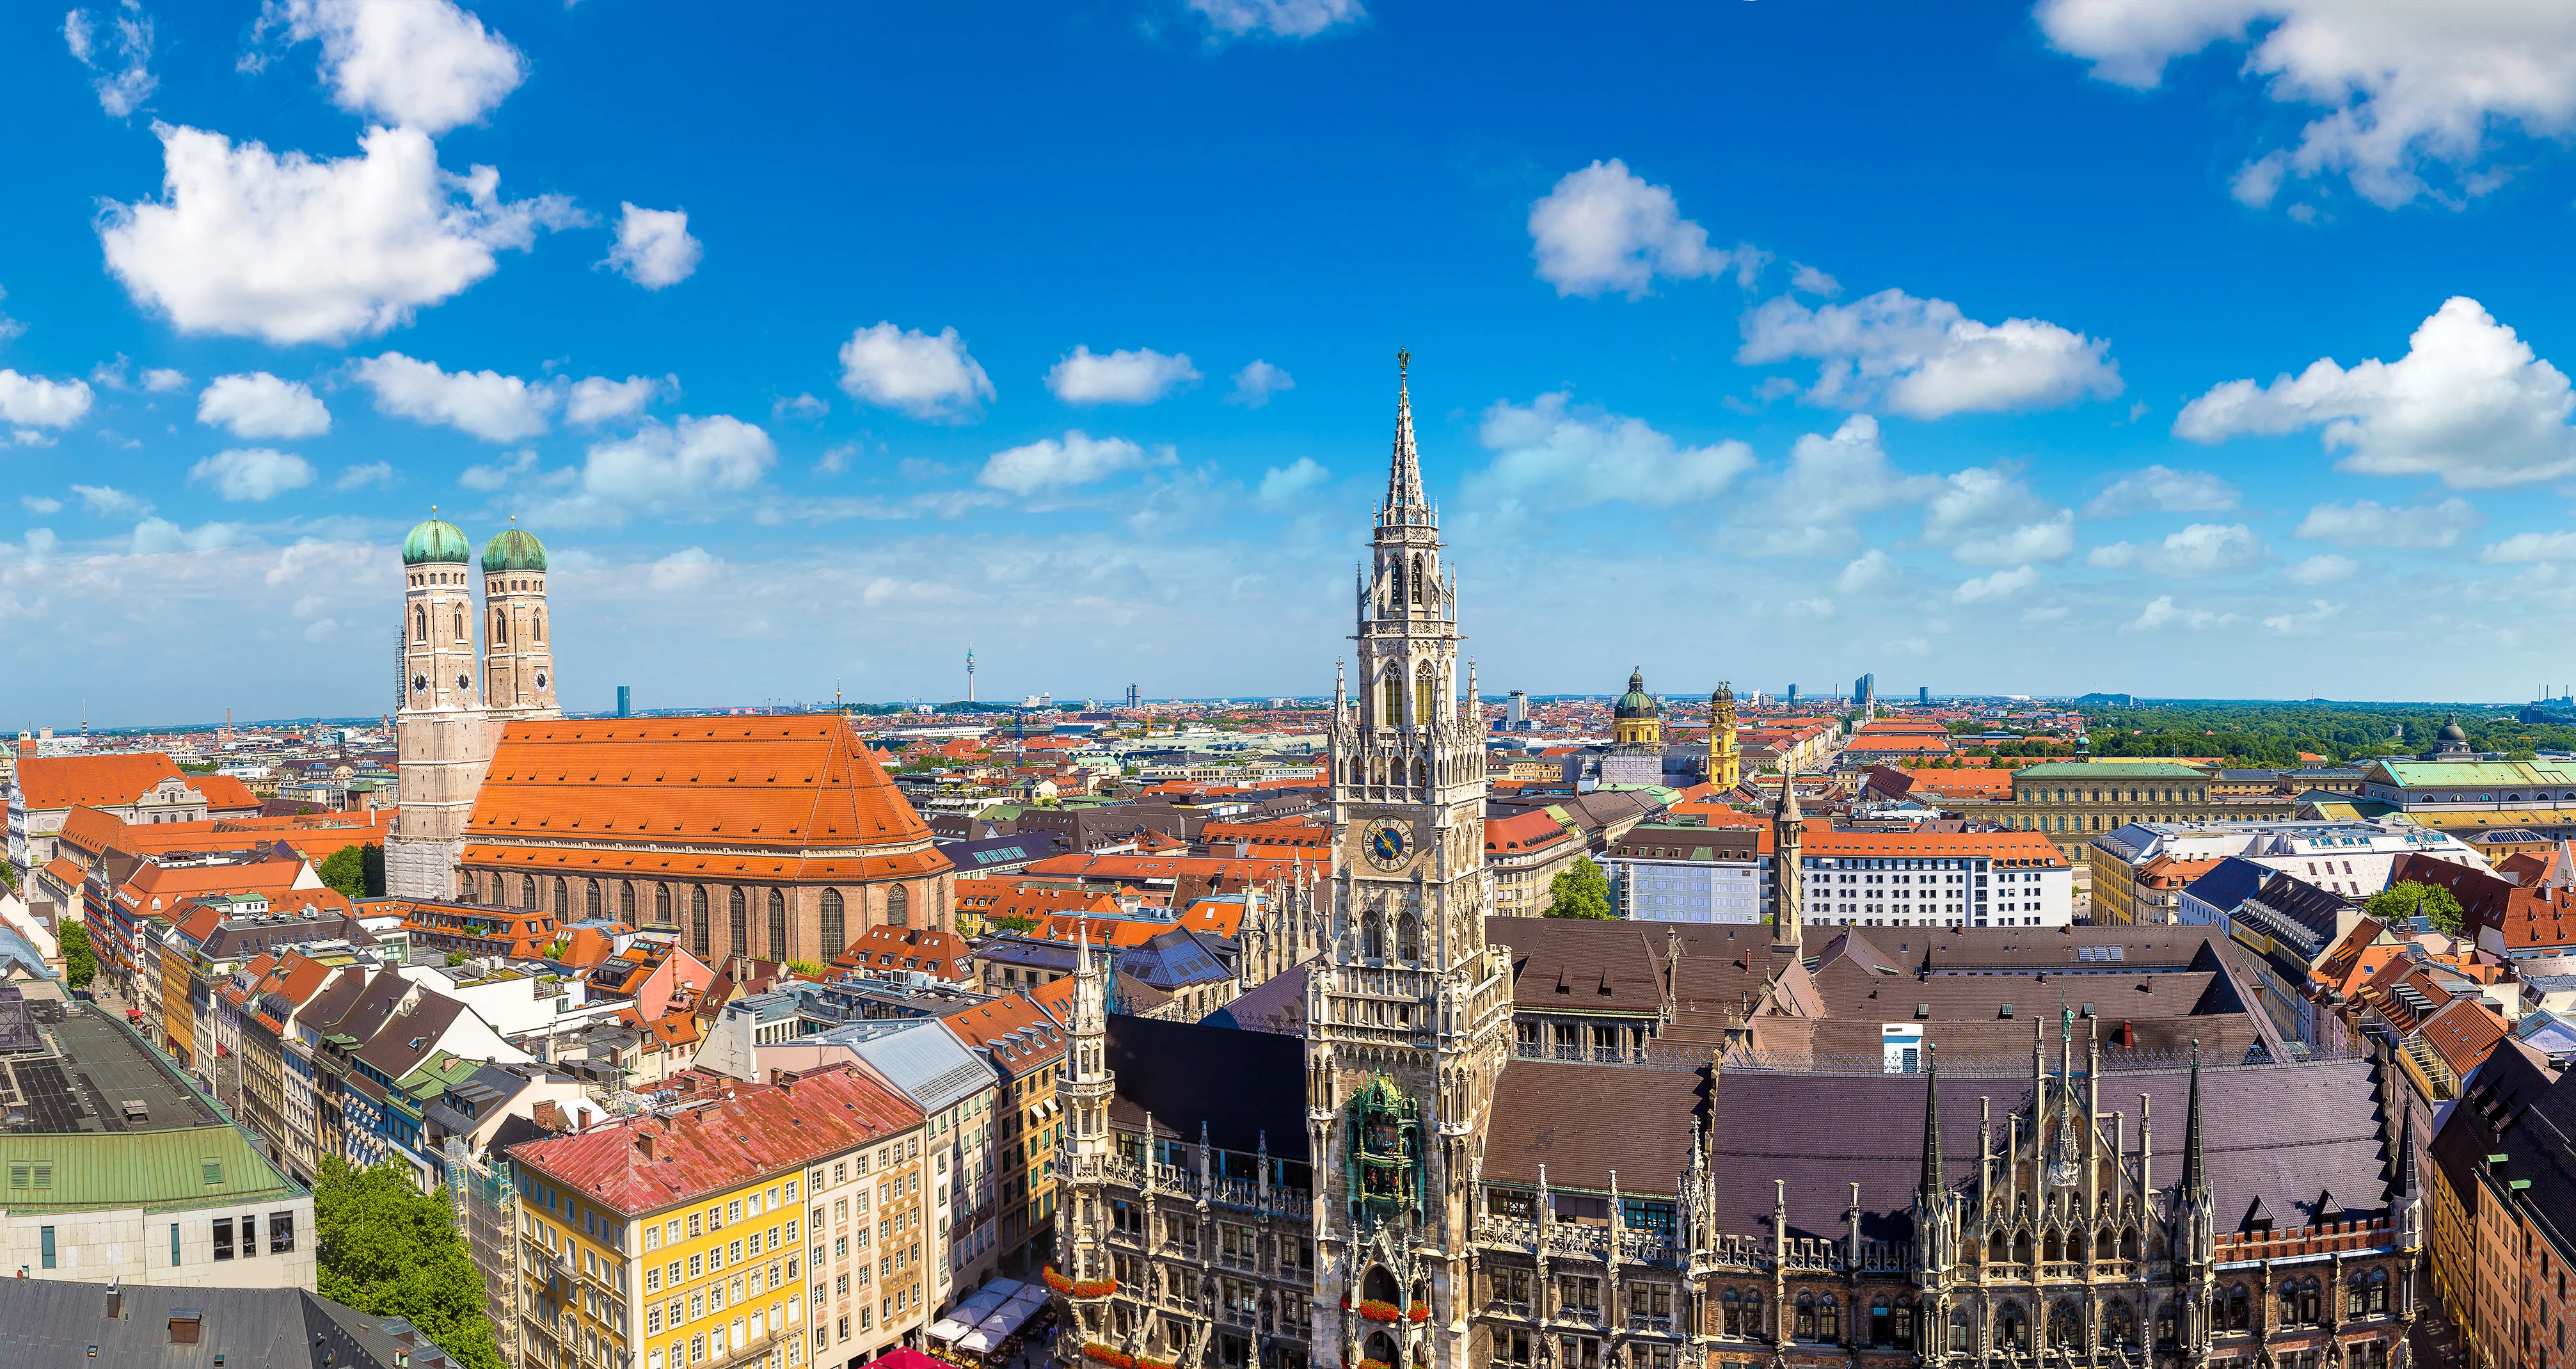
column 644, row 1143
column 184, row 1324
column 581, row 1119
column 115, row 1300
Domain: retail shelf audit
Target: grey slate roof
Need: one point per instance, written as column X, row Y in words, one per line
column 930, row 1065
column 53, row 1323
column 2229, row 882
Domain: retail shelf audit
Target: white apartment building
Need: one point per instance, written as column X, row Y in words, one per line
column 1916, row 878
column 2349, row 858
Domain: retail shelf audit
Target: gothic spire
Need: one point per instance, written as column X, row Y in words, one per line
column 2195, row 1177
column 1786, row 811
column 1933, row 1187
column 1404, row 474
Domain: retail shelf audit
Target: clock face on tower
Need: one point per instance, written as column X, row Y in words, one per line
column 1384, row 845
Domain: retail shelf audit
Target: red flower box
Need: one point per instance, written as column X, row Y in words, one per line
column 1110, row 1355
column 1375, row 1310
column 1420, row 1311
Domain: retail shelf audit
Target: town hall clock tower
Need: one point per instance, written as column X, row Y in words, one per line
column 1408, row 1013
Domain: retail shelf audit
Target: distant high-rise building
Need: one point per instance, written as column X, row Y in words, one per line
column 1923, row 695
column 625, row 701
column 1865, row 692
column 1516, row 709
column 1133, row 697
column 970, row 671
column 1793, row 696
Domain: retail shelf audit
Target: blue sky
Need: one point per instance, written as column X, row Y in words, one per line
column 2108, row 344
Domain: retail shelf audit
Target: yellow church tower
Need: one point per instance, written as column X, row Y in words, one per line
column 1637, row 720
column 1725, row 762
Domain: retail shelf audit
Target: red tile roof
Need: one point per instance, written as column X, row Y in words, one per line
column 1013, row 1031
column 1523, row 832
column 750, row 1132
column 112, row 781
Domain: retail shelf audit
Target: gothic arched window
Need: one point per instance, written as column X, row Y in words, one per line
column 2237, row 1315
column 563, row 899
column 537, row 621
column 590, row 899
column 777, row 925
column 419, row 624
column 835, row 934
column 1393, row 714
column 528, row 891
column 1731, row 1313
column 1408, row 939
column 2009, row 1327
column 737, row 922
column 626, row 901
column 662, row 905
column 898, row 907
column 1829, row 1319
column 1417, row 580
column 2118, row 1327
column 1804, row 1328
column 698, row 922
column 1961, row 1333
column 460, row 625
column 500, row 627
column 1426, row 687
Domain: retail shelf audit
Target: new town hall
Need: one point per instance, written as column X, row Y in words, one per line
column 1473, row 1141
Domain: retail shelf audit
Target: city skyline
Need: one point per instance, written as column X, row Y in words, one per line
column 821, row 404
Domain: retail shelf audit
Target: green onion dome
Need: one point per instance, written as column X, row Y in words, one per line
column 437, row 541
column 1637, row 703
column 513, row 549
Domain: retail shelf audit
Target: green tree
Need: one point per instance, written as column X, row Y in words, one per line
column 2408, row 898
column 1010, row 923
column 356, row 870
column 80, row 963
column 389, row 1250
column 812, row 967
column 1580, row 891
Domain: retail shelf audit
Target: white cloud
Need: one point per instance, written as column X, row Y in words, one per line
column 836, row 458
column 258, row 404
column 598, row 399
column 2039, row 614
column 2364, row 523
column 1605, row 228
column 291, row 249
column 35, row 402
column 2325, row 569
column 160, row 536
column 2469, row 402
column 654, row 248
column 2162, row 613
column 161, row 380
column 498, row 474
column 1121, row 377
column 2162, row 489
column 922, row 375
column 377, row 473
column 1817, row 607
column 803, row 406
column 39, row 505
column 1988, row 517
column 2003, row 584
column 1277, row 18
column 487, row 404
column 2318, row 615
column 2202, row 549
column 689, row 568
column 1872, row 569
column 253, row 473
column 423, row 64
column 1282, row 485
column 1814, row 282
column 122, row 87
column 1927, row 360
column 2530, row 546
column 666, row 468
column 2409, row 89
column 1049, row 464
column 1812, row 507
column 1565, row 456
column 107, row 501
column 1256, row 383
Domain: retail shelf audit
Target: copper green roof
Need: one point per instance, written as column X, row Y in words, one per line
column 1637, row 703
column 2110, row 770
column 439, row 541
column 152, row 1170
column 513, row 548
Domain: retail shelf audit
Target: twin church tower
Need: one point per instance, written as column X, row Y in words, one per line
column 466, row 673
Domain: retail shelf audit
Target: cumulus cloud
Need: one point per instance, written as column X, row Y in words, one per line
column 1872, row 569
column 653, row 247
column 423, row 64
column 1572, row 456
column 377, row 473
column 1122, row 377
column 597, row 399
column 2203, row 549
column 1050, row 464
column 2530, row 546
column 1276, row 18
column 161, row 537
column 164, row 381
column 1988, row 517
column 2314, row 618
column 253, row 473
column 922, row 375
column 124, row 81
column 2163, row 613
column 2412, row 93
column 2325, row 569
column 1256, row 383
column 107, row 501
column 1812, row 507
column 293, row 249
column 803, row 406
column 498, row 474
column 30, row 402
column 1283, row 485
column 2469, row 402
column 2003, row 584
column 2364, row 523
column 1925, row 359
column 39, row 505
column 1605, row 228
column 487, row 404
column 2162, row 489
column 675, row 467
column 686, row 569
column 258, row 404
